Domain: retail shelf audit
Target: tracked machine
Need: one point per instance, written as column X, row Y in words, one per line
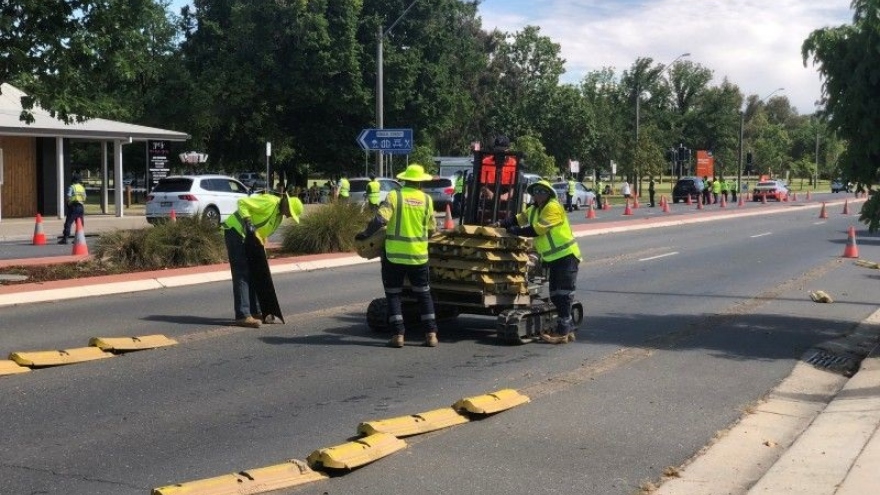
column 482, row 270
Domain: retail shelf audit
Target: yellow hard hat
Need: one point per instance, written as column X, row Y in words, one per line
column 414, row 173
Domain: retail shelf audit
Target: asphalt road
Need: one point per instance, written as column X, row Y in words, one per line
column 686, row 326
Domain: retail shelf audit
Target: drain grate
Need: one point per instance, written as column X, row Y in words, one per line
column 844, row 364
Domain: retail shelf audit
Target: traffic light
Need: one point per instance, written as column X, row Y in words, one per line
column 749, row 168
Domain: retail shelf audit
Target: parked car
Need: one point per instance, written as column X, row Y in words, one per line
column 770, row 189
column 583, row 196
column 687, row 187
column 253, row 180
column 441, row 190
column 839, row 185
column 213, row 197
column 359, row 187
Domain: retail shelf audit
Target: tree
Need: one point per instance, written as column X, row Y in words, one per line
column 76, row 59
column 849, row 63
column 537, row 161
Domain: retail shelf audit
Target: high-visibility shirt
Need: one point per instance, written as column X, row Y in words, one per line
column 571, row 187
column 76, row 193
column 459, row 184
column 373, row 192
column 716, row 187
column 598, row 187
column 344, row 187
column 410, row 216
column 555, row 239
column 264, row 211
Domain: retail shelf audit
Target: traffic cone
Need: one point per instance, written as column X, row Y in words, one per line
column 627, row 210
column 606, row 205
column 664, row 205
column 635, row 202
column 740, row 203
column 173, row 217
column 448, row 224
column 39, row 235
column 809, row 197
column 699, row 202
column 822, row 212
column 794, row 196
column 851, row 250
column 723, row 202
column 689, row 202
column 591, row 213
column 79, row 244
column 846, row 207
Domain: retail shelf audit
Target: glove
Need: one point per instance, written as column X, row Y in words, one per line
column 248, row 226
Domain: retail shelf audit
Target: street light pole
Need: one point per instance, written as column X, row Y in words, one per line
column 380, row 90
column 638, row 111
column 742, row 118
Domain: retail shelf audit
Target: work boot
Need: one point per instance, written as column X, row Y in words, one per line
column 63, row 240
column 269, row 319
column 555, row 338
column 431, row 339
column 396, row 341
column 248, row 322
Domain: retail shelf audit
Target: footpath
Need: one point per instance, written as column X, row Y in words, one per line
column 816, row 433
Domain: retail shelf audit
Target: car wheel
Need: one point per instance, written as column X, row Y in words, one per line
column 212, row 215
column 577, row 204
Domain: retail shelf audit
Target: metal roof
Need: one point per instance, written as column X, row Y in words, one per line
column 45, row 125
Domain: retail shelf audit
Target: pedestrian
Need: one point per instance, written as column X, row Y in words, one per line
column 651, row 193
column 716, row 190
column 598, row 193
column 546, row 221
column 458, row 197
column 724, row 189
column 75, row 207
column 707, row 189
column 732, row 187
column 625, row 190
column 261, row 215
column 408, row 214
column 344, row 188
column 572, row 189
column 371, row 193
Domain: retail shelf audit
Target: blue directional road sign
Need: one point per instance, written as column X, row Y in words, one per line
column 387, row 140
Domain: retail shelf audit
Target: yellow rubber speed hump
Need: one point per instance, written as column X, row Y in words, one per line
column 357, row 453
column 8, row 367
column 41, row 359
column 291, row 473
column 126, row 344
column 491, row 403
column 416, row 424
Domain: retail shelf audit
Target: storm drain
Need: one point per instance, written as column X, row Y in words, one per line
column 843, row 364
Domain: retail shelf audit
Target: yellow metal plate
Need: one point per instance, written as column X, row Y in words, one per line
column 57, row 358
column 291, row 473
column 124, row 344
column 491, row 403
column 8, row 367
column 357, row 453
column 414, row 425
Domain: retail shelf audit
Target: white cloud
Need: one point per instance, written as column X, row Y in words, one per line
column 756, row 44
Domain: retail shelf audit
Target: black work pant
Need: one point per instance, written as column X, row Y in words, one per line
column 74, row 211
column 393, row 276
column 563, row 278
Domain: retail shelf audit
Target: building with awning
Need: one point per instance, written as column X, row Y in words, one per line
column 35, row 158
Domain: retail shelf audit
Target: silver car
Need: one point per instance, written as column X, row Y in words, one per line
column 441, row 190
column 213, row 197
column 583, row 196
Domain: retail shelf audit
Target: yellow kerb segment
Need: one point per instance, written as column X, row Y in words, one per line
column 416, row 424
column 357, row 453
column 491, row 403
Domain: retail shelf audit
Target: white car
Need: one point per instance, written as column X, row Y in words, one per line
column 213, row 197
column 583, row 196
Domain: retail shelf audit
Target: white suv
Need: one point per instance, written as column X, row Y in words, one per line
column 214, row 197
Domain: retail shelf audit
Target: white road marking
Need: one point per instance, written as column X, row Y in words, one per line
column 762, row 235
column 819, row 223
column 659, row 256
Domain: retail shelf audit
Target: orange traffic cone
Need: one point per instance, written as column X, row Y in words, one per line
column 822, row 212
column 591, row 213
column 809, row 197
column 635, row 202
column 173, row 217
column 794, row 196
column 846, row 207
column 740, row 202
column 448, row 224
column 79, row 244
column 689, row 202
column 664, row 205
column 606, row 205
column 699, row 202
column 851, row 250
column 723, row 202
column 627, row 210
column 39, row 235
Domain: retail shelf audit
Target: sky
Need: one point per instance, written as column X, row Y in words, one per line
column 756, row 44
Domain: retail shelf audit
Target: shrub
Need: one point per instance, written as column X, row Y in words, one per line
column 186, row 242
column 327, row 229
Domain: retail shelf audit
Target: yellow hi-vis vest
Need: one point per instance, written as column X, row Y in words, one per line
column 344, row 187
column 264, row 210
column 76, row 194
column 459, row 184
column 555, row 239
column 373, row 192
column 571, row 187
column 410, row 215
